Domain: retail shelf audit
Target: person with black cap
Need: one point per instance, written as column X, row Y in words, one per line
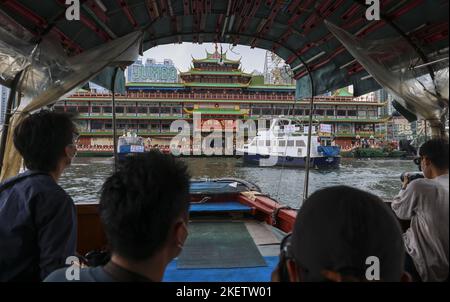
column 342, row 234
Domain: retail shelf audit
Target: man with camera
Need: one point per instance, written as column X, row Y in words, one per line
column 424, row 201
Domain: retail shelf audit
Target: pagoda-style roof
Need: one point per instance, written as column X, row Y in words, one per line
column 211, row 85
column 342, row 92
column 216, row 85
column 216, row 58
column 196, row 71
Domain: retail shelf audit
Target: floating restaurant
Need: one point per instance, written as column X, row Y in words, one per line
column 218, row 89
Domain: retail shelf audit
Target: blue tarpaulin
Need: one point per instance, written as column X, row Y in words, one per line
column 247, row 274
column 219, row 207
column 329, row 150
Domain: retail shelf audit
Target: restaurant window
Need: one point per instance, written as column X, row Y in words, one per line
column 256, row 111
column 319, row 111
column 83, row 109
column 58, row 108
column 279, row 111
column 165, row 127
column 71, row 109
column 176, row 110
column 153, row 110
column 266, row 111
column 131, row 109
column 142, row 110
column 165, row 110
column 96, row 125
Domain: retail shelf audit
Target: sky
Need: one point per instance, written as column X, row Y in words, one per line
column 181, row 54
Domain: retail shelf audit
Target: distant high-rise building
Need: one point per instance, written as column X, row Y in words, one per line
column 4, row 94
column 152, row 72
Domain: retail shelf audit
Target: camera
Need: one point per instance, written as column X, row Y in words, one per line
column 411, row 175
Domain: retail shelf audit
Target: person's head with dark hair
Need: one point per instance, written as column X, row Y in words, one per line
column 47, row 141
column 434, row 158
column 144, row 210
column 343, row 234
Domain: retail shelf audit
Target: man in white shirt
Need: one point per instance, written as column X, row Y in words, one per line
column 425, row 203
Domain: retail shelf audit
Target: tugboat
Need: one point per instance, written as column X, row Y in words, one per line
column 285, row 143
column 129, row 144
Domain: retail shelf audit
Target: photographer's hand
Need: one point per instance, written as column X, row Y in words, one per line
column 405, row 182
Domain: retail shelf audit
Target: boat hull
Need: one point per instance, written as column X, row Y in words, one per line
column 123, row 156
column 287, row 161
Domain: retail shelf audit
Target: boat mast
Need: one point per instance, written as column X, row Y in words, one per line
column 113, row 90
column 308, row 151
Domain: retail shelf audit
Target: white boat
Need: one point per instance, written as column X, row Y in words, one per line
column 285, row 143
column 130, row 144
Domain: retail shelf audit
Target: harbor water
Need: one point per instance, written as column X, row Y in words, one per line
column 83, row 180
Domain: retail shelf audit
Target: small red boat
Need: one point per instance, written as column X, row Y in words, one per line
column 234, row 233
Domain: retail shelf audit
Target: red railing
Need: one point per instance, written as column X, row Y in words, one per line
column 220, row 96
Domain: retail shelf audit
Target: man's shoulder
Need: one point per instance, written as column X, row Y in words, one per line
column 425, row 185
column 421, row 182
column 88, row 274
column 44, row 185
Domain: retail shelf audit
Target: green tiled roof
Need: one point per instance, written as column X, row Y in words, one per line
column 210, row 58
column 220, row 85
column 342, row 92
column 208, row 72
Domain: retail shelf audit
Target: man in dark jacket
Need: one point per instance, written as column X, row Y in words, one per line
column 37, row 217
column 144, row 209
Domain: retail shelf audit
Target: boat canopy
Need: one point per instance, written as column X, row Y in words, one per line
column 324, row 41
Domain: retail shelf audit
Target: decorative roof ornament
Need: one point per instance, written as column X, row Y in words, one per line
column 221, row 61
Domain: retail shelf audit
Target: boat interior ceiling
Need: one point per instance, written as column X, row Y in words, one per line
column 328, row 45
column 304, row 33
column 233, row 235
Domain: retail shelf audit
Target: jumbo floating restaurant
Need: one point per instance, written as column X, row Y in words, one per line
column 218, row 89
